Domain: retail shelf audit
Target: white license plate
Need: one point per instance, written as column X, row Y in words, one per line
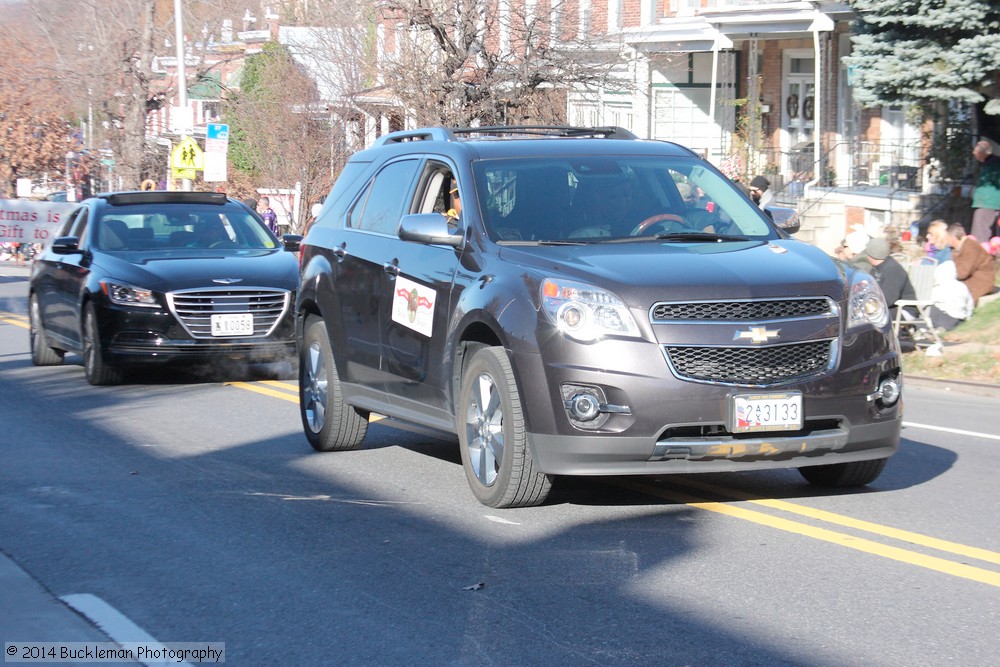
column 767, row 412
column 234, row 324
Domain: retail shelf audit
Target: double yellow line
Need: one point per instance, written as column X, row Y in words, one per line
column 15, row 319
column 903, row 555
column 288, row 391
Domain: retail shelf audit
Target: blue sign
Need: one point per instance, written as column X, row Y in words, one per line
column 217, row 131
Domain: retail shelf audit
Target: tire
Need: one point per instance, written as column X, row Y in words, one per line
column 839, row 475
column 98, row 371
column 495, row 454
column 329, row 423
column 41, row 353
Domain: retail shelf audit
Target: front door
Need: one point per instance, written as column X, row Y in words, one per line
column 798, row 109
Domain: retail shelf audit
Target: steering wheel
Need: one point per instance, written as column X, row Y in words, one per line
column 654, row 219
column 224, row 244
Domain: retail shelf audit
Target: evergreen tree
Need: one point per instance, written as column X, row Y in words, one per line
column 926, row 51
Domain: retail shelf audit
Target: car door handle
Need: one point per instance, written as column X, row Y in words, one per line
column 392, row 268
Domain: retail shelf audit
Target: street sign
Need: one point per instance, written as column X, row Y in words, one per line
column 217, row 131
column 215, row 167
column 187, row 156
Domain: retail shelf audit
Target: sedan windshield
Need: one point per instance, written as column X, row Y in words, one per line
column 187, row 226
column 592, row 199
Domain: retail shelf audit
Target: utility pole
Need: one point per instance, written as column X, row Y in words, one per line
column 181, row 80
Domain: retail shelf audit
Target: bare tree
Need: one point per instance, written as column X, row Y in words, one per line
column 35, row 115
column 491, row 61
column 280, row 130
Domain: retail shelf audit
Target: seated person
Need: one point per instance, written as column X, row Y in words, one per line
column 973, row 265
column 852, row 251
column 890, row 275
column 952, row 301
column 937, row 236
column 213, row 234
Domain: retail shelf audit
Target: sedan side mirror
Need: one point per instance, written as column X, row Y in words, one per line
column 292, row 242
column 430, row 228
column 66, row 245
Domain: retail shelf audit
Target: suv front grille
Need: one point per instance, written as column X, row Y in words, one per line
column 740, row 311
column 751, row 365
column 194, row 309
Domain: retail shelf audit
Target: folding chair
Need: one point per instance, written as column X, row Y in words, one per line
column 921, row 274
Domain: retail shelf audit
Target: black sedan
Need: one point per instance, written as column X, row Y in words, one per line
column 156, row 277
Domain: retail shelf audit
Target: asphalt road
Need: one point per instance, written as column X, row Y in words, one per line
column 193, row 506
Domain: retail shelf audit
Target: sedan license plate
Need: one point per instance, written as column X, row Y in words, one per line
column 767, row 412
column 234, row 324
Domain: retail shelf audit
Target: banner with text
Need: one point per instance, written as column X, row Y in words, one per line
column 28, row 221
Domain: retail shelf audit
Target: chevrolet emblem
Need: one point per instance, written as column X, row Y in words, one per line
column 757, row 334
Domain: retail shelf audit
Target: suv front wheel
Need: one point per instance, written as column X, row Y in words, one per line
column 491, row 434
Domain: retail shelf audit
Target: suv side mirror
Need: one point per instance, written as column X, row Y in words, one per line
column 784, row 217
column 66, row 245
column 430, row 228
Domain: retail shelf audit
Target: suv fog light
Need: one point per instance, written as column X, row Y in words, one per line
column 888, row 391
column 584, row 407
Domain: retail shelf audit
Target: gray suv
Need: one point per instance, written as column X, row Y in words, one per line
column 576, row 301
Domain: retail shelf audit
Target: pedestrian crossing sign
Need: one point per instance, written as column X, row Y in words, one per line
column 187, row 156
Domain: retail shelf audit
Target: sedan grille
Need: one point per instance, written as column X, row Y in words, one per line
column 774, row 364
column 741, row 311
column 194, row 308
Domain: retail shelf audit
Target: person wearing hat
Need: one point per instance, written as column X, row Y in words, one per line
column 759, row 191
column 852, row 250
column 889, row 274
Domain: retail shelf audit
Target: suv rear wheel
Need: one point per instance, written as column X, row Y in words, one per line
column 330, row 424
column 495, row 455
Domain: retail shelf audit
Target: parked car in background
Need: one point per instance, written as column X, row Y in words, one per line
column 558, row 299
column 162, row 277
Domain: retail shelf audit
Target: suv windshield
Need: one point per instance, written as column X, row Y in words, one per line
column 188, row 226
column 601, row 198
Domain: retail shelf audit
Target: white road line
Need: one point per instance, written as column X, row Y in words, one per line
column 115, row 624
column 956, row 431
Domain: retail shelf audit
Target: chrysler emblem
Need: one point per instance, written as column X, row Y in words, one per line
column 757, row 334
column 226, row 281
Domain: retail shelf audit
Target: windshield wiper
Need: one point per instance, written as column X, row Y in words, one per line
column 698, row 236
column 540, row 242
column 680, row 237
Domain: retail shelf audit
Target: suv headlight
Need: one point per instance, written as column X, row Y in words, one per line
column 584, row 312
column 123, row 294
column 865, row 303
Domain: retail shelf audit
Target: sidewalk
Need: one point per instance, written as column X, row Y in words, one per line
column 29, row 613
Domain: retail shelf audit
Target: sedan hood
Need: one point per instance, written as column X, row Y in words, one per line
column 644, row 272
column 176, row 270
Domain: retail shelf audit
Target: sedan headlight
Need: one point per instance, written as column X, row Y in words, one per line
column 865, row 304
column 584, row 312
column 123, row 294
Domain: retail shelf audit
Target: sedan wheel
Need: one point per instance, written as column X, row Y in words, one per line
column 495, row 454
column 41, row 353
column 330, row 424
column 97, row 370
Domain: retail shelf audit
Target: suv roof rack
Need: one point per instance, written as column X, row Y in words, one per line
column 603, row 132
column 453, row 133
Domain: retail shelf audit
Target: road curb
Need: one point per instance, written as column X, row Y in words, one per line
column 978, row 388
